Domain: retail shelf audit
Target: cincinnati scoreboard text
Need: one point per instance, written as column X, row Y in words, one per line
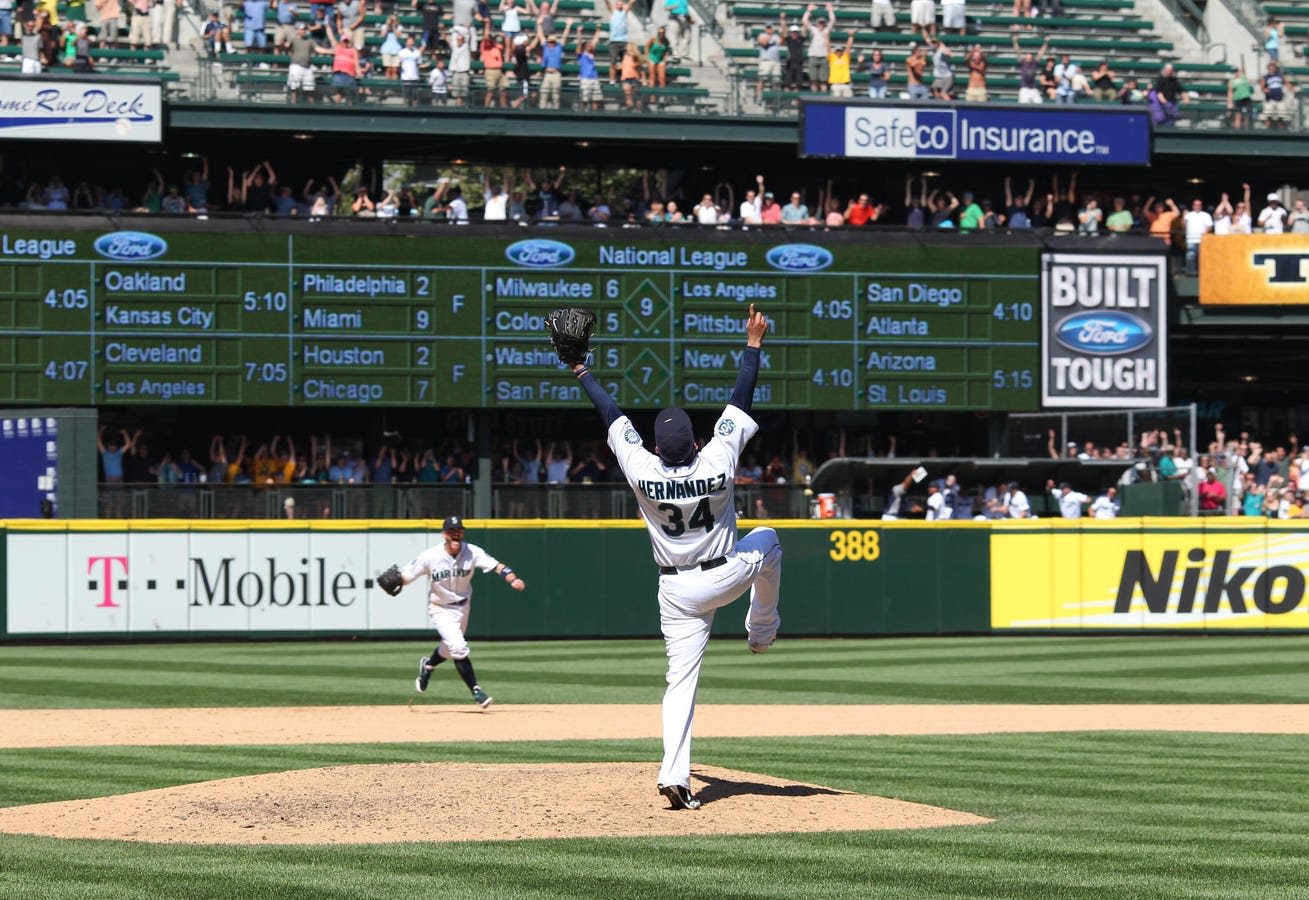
column 449, row 317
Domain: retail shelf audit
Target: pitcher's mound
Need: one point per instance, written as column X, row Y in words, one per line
column 466, row 802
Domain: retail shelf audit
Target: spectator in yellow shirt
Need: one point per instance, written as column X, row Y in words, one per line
column 838, row 69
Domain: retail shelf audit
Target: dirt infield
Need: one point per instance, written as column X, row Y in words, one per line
column 380, row 803
column 508, row 722
column 383, row 803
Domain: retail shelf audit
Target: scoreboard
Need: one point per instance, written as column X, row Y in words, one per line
column 453, row 316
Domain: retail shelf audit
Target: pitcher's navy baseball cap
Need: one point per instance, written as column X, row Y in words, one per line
column 452, row 523
column 674, row 437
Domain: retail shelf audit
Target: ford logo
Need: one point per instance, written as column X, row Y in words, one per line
column 798, row 258
column 539, row 254
column 1103, row 333
column 130, row 245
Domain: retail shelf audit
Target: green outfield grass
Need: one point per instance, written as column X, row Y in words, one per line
column 1093, row 815
column 1219, row 669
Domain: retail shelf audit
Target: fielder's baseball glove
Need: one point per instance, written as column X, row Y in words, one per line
column 391, row 581
column 570, row 332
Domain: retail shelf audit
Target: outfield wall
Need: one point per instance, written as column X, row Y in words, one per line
column 98, row 578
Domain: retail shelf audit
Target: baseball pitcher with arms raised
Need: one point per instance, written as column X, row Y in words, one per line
column 685, row 494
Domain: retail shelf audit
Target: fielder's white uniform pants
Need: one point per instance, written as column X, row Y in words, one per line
column 687, row 602
column 450, row 622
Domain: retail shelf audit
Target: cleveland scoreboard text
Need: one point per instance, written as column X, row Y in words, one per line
column 452, row 317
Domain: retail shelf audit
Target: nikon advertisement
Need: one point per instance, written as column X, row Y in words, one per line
column 1104, row 335
column 1084, row 577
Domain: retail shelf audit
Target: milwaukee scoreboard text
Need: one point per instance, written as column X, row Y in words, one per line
column 453, row 317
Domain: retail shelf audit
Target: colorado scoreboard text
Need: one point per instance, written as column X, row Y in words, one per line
column 453, row 317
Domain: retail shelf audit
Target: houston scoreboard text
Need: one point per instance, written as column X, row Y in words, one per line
column 450, row 317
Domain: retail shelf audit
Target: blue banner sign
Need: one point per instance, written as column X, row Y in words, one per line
column 1067, row 135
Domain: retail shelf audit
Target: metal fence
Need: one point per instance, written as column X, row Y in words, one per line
column 413, row 501
column 249, row 501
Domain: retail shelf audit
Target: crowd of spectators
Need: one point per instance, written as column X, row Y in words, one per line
column 127, row 458
column 944, row 498
column 551, row 196
column 817, row 61
column 520, row 48
column 1240, row 476
column 1236, row 476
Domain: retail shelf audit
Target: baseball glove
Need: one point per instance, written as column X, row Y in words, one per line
column 391, row 581
column 570, row 330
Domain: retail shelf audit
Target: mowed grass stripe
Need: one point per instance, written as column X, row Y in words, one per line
column 1111, row 815
column 1215, row 669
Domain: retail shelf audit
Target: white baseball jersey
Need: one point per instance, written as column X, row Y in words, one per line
column 688, row 510
column 1070, row 504
column 451, row 577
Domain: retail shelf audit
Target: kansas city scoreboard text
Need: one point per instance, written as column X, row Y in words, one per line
column 445, row 317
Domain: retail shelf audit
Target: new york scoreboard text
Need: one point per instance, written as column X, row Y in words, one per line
column 446, row 319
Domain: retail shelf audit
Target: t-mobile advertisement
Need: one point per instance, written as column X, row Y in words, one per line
column 1104, row 339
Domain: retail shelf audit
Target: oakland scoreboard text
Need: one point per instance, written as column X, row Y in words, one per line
column 452, row 317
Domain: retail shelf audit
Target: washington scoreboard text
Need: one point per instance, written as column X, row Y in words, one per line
column 452, row 318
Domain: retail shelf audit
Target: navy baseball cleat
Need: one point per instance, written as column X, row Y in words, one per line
column 424, row 673
column 679, row 797
column 481, row 697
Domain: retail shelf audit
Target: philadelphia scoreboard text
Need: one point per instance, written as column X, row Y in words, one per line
column 453, row 317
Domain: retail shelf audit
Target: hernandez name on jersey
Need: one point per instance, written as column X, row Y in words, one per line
column 688, row 510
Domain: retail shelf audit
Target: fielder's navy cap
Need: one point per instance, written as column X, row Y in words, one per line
column 452, row 523
column 674, row 437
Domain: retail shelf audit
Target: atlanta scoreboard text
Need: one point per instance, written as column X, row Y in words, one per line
column 451, row 317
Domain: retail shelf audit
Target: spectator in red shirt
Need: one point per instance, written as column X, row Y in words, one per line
column 771, row 211
column 860, row 212
column 1213, row 495
column 492, row 54
column 345, row 69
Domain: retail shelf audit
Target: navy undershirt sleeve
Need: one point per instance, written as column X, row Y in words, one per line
column 743, row 393
column 609, row 410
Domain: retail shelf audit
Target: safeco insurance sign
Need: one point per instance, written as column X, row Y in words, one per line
column 1111, row 135
column 1104, row 334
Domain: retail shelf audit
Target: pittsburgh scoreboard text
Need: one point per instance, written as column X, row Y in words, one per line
column 450, row 317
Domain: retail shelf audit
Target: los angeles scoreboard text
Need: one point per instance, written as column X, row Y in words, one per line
column 449, row 318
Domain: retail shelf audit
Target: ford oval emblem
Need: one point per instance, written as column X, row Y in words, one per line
column 539, row 253
column 130, row 246
column 1103, row 333
column 799, row 258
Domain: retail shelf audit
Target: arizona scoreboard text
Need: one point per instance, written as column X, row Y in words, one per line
column 444, row 316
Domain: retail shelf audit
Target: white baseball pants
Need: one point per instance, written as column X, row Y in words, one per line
column 451, row 622
column 687, row 602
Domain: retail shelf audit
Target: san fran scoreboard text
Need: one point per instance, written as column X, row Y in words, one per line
column 452, row 318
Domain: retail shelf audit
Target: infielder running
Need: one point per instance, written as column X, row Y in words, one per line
column 449, row 567
column 685, row 496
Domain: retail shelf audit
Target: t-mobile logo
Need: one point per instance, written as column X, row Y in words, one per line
column 106, row 564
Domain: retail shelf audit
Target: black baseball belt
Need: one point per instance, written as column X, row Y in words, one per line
column 706, row 566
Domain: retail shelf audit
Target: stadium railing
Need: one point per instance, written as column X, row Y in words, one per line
column 862, row 496
column 251, row 501
column 412, row 501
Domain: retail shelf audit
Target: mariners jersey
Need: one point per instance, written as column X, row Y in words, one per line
column 450, row 577
column 688, row 510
